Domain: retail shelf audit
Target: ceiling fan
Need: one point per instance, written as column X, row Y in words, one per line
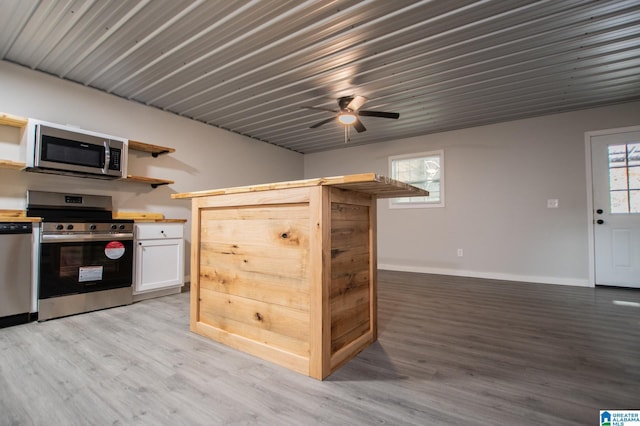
column 349, row 113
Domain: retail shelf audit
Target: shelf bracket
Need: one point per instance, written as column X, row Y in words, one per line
column 155, row 154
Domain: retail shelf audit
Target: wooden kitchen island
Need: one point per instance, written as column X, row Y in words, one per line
column 287, row 271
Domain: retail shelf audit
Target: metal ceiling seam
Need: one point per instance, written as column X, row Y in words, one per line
column 556, row 103
column 199, row 44
column 108, row 32
column 180, row 46
column 324, row 59
column 328, row 71
column 493, row 89
column 190, row 66
column 21, row 25
column 500, row 105
column 143, row 42
column 78, row 13
column 281, row 59
column 476, row 52
column 87, row 26
column 23, row 31
column 134, row 29
column 51, row 20
column 559, row 30
column 219, row 48
column 561, row 55
column 180, row 31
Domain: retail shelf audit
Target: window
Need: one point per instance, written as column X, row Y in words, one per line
column 424, row 170
column 624, row 178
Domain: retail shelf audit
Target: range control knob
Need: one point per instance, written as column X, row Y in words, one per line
column 59, row 227
column 69, row 227
column 121, row 227
column 92, row 227
column 113, row 226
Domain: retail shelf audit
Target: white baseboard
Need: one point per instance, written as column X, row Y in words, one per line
column 488, row 275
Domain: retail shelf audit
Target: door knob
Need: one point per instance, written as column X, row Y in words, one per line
column 599, row 211
column 599, row 221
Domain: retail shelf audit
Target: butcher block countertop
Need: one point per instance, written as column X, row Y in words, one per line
column 146, row 217
column 21, row 216
column 17, row 216
column 369, row 183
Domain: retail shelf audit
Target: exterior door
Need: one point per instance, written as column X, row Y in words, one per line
column 615, row 170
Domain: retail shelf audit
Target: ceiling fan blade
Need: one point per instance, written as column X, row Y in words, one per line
column 356, row 103
column 359, row 126
column 322, row 122
column 380, row 114
column 320, row 109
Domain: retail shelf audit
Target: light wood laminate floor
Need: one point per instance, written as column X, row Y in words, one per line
column 451, row 351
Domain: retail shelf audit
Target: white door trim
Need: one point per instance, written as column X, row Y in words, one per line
column 590, row 233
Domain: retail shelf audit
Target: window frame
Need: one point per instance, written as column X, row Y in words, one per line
column 394, row 204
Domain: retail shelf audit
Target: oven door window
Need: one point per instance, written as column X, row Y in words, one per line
column 82, row 267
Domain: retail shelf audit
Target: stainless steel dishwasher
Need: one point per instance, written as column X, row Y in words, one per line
column 15, row 273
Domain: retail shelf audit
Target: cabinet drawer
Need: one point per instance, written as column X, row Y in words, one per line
column 148, row 231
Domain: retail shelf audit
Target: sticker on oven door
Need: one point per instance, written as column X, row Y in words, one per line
column 90, row 273
column 114, row 250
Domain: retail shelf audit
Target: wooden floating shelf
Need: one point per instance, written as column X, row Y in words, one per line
column 150, row 181
column 154, row 150
column 12, row 120
column 8, row 164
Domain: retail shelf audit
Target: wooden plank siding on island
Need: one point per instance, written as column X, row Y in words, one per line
column 287, row 271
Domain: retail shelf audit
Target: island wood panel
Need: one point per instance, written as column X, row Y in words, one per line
column 253, row 268
column 350, row 299
column 258, row 253
column 274, row 325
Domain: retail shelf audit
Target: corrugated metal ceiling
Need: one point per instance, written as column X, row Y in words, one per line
column 250, row 66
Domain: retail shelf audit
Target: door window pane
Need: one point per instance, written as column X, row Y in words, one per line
column 618, row 178
column 634, row 204
column 634, row 154
column 624, row 178
column 617, row 156
column 619, row 202
column 634, row 177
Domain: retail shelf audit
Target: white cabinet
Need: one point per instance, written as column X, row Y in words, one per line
column 159, row 262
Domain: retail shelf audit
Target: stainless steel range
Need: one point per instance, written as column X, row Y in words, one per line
column 86, row 257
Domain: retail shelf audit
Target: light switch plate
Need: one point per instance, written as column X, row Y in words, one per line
column 552, row 203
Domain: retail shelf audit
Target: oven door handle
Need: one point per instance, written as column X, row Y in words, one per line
column 65, row 238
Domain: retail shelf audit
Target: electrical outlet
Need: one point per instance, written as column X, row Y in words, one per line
column 460, row 253
column 552, row 203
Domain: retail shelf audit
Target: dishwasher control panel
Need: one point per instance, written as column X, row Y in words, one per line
column 15, row 228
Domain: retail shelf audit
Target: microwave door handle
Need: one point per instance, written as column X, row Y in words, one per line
column 107, row 157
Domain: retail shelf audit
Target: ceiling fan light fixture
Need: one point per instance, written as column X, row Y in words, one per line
column 347, row 118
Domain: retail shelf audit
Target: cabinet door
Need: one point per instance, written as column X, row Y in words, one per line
column 159, row 264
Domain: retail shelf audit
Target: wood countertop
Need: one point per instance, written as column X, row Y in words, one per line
column 21, row 216
column 371, row 183
column 146, row 217
column 17, row 216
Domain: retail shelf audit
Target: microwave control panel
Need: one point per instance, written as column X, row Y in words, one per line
column 114, row 162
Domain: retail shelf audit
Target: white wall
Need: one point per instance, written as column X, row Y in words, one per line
column 498, row 179
column 205, row 157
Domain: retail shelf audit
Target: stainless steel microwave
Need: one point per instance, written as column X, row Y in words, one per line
column 59, row 150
